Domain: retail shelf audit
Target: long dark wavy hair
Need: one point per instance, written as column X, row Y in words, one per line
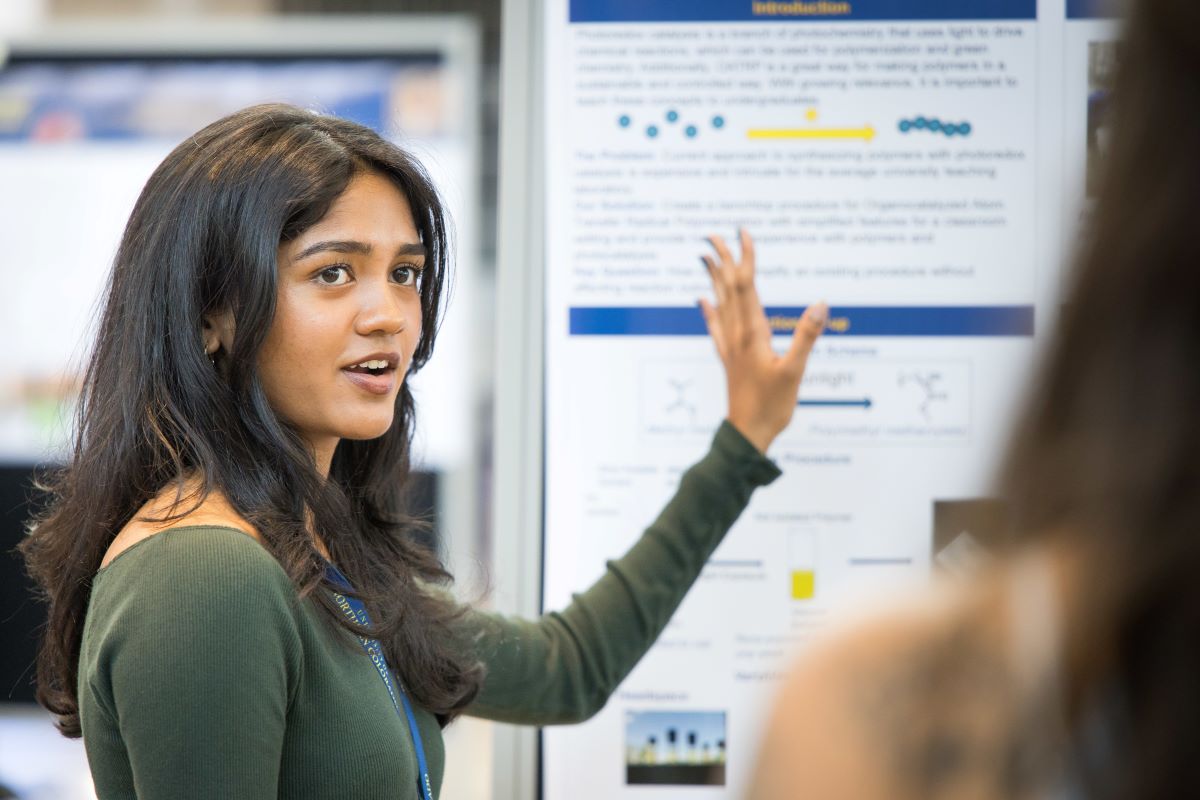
column 202, row 239
column 1108, row 450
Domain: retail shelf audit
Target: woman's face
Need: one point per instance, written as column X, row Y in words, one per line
column 348, row 318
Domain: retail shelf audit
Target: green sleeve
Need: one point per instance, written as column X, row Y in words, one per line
column 564, row 666
column 196, row 653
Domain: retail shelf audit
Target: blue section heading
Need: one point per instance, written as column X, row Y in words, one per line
column 1092, row 9
column 843, row 321
column 797, row 10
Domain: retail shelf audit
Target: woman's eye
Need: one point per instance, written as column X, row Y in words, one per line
column 405, row 276
column 333, row 276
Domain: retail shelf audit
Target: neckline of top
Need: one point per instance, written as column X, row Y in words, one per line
column 163, row 532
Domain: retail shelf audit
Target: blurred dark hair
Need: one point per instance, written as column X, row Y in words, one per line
column 203, row 238
column 1107, row 453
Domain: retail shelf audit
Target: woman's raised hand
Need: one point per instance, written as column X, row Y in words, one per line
column 762, row 384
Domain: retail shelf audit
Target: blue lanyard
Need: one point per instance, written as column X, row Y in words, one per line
column 356, row 612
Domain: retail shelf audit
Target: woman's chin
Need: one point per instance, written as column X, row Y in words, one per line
column 367, row 430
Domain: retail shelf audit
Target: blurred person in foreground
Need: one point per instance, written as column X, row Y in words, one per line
column 1071, row 669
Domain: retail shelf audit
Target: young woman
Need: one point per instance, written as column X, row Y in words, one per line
column 1070, row 670
column 236, row 607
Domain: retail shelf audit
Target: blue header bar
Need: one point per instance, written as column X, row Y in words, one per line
column 843, row 321
column 1092, row 9
column 798, row 10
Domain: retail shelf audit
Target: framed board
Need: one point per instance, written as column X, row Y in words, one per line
column 921, row 166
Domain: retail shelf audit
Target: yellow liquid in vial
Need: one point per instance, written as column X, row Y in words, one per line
column 803, row 584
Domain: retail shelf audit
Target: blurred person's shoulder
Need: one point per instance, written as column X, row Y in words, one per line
column 925, row 698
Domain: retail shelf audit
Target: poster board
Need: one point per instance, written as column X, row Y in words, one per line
column 922, row 166
column 88, row 111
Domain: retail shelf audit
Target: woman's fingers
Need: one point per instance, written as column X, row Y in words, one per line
column 738, row 314
column 752, row 322
column 747, row 250
column 718, row 281
column 713, row 322
column 722, row 249
column 761, row 383
column 808, row 329
column 713, row 315
column 726, row 275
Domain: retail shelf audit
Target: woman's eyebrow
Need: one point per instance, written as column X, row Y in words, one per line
column 352, row 246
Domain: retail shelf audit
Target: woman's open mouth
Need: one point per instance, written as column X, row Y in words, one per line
column 374, row 375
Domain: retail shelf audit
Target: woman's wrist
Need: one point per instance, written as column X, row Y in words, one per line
column 758, row 435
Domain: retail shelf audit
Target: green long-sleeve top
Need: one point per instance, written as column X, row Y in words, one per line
column 203, row 676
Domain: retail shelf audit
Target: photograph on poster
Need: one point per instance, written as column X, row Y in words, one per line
column 685, row 748
column 1102, row 63
column 967, row 532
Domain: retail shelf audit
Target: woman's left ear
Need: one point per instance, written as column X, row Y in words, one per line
column 218, row 333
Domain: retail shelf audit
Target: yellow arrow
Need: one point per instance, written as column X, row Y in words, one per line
column 866, row 133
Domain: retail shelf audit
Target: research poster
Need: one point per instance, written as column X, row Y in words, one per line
column 920, row 166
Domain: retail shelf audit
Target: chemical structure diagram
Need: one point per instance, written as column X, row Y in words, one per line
column 681, row 402
column 930, row 385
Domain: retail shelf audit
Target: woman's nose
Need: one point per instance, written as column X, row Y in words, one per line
column 381, row 312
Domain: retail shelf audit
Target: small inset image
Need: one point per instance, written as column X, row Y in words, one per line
column 968, row 533
column 675, row 748
column 1102, row 64
column 802, row 564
